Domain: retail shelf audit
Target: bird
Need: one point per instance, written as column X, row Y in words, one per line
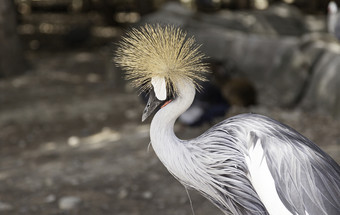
column 333, row 19
column 246, row 164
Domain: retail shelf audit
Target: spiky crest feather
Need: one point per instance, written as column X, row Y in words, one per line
column 166, row 52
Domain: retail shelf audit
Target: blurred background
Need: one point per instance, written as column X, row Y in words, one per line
column 71, row 137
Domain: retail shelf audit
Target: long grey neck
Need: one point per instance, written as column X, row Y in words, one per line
column 162, row 135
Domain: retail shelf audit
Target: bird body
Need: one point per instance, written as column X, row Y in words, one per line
column 245, row 164
column 248, row 164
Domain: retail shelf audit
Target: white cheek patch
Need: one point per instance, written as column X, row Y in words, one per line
column 159, row 87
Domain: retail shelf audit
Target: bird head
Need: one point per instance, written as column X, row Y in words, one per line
column 155, row 58
column 332, row 7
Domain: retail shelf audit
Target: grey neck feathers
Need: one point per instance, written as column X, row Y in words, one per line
column 162, row 133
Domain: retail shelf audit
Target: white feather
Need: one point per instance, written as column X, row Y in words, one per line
column 263, row 181
column 159, row 87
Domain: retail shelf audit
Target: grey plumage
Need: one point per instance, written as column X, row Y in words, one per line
column 225, row 155
column 306, row 178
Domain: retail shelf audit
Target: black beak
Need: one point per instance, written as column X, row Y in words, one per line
column 151, row 106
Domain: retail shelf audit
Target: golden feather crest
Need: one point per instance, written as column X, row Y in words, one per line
column 155, row 51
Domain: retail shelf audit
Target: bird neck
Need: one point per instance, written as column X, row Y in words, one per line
column 162, row 126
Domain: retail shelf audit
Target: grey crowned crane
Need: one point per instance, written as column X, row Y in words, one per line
column 248, row 164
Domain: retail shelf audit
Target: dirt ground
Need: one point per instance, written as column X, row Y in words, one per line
column 72, row 142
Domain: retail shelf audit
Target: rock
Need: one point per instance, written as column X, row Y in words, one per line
column 276, row 66
column 171, row 13
column 5, row 206
column 283, row 19
column 147, row 195
column 50, row 198
column 123, row 193
column 69, row 202
column 235, row 21
column 216, row 41
column 324, row 89
column 280, row 19
column 286, row 79
column 73, row 141
column 109, row 191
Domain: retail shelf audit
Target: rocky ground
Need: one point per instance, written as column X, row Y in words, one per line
column 72, row 142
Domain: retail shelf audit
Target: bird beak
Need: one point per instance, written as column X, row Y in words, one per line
column 151, row 106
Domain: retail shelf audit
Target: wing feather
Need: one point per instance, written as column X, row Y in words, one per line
column 306, row 178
